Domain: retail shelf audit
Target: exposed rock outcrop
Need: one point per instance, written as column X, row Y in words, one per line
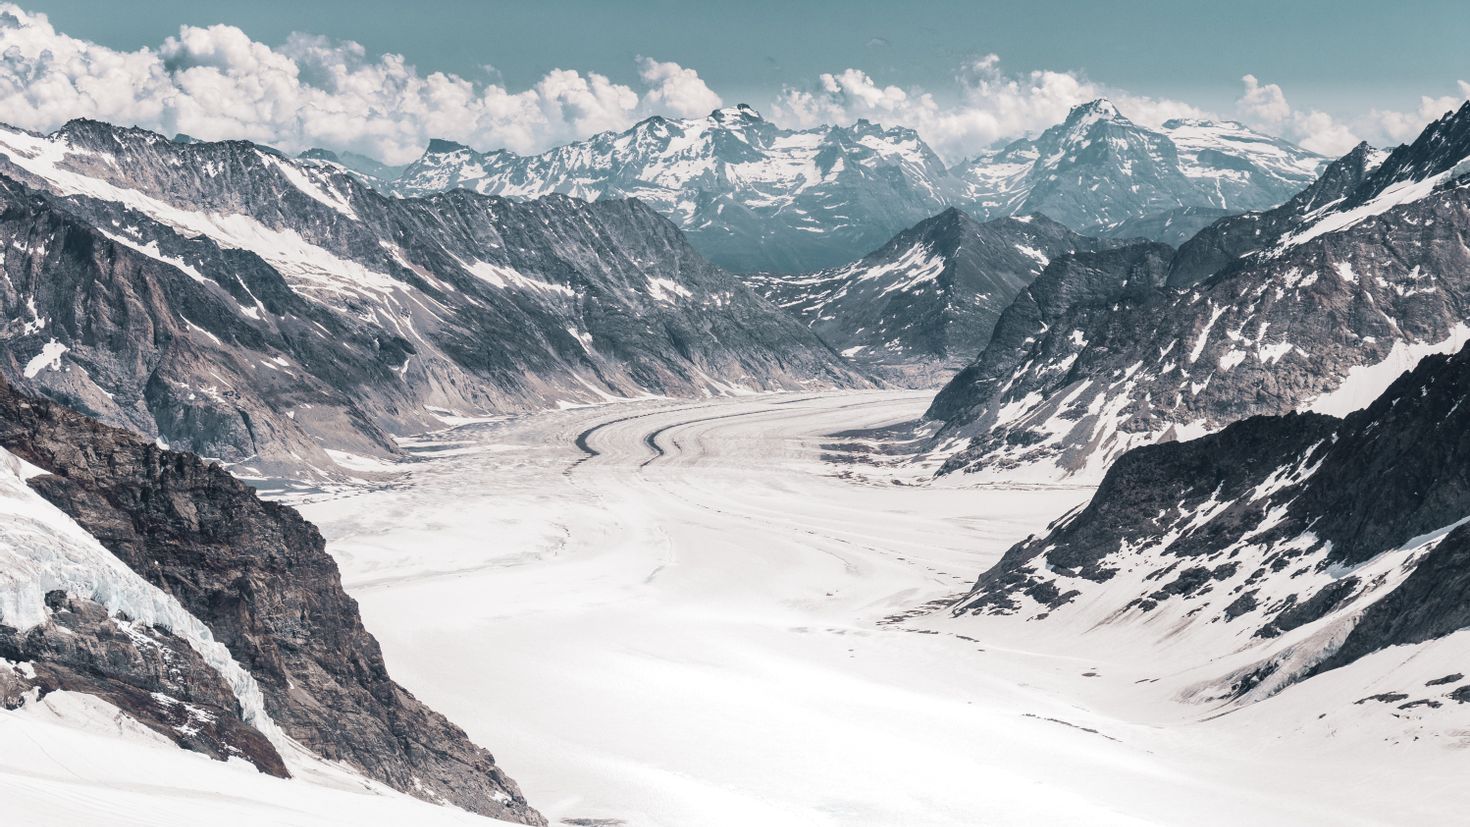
column 258, row 576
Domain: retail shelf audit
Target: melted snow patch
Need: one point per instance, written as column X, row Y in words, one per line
column 1365, row 383
column 666, row 290
column 1034, row 253
column 50, row 356
column 151, row 250
column 1327, row 221
column 504, row 277
column 301, row 180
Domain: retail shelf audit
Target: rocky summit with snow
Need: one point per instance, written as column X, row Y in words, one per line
column 755, row 197
column 1318, row 304
column 1099, row 172
column 281, row 316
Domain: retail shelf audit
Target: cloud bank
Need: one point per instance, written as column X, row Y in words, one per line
column 991, row 105
column 1264, row 106
column 215, row 82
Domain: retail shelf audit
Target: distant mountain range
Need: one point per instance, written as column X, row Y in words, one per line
column 755, row 197
column 1317, row 304
column 281, row 316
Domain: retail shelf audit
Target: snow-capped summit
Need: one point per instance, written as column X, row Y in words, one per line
column 1084, row 114
column 1099, row 172
column 735, row 115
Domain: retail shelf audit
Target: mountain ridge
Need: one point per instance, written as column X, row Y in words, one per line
column 758, row 198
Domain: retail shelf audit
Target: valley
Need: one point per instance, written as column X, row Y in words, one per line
column 692, row 620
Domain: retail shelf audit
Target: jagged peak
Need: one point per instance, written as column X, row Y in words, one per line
column 444, row 146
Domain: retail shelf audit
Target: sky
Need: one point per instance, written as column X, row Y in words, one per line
column 382, row 77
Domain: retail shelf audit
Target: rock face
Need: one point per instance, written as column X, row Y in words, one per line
column 143, row 670
column 263, row 310
column 1307, row 540
column 1110, row 351
column 931, row 295
column 757, row 198
column 1173, row 227
column 258, row 576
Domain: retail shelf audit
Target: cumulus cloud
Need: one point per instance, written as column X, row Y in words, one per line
column 675, row 90
column 989, row 104
column 1264, row 105
column 215, row 82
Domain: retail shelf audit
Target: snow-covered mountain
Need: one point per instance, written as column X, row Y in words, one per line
column 269, row 311
column 750, row 196
column 931, row 295
column 1097, row 170
column 755, row 197
column 167, row 590
column 1278, row 549
column 1318, row 304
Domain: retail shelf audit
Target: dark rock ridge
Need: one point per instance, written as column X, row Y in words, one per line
column 260, row 309
column 931, row 295
column 1100, row 355
column 258, row 576
column 145, row 671
column 1223, row 241
column 1173, row 227
column 757, row 198
column 1322, row 539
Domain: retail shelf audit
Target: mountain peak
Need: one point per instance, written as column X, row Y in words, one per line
column 443, row 146
column 1101, row 109
column 738, row 114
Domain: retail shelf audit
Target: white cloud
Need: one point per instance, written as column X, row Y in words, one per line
column 675, row 90
column 1265, row 106
column 989, row 105
column 215, row 82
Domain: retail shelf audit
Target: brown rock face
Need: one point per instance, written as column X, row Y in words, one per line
column 258, row 575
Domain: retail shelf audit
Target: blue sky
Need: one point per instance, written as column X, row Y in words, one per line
column 1342, row 70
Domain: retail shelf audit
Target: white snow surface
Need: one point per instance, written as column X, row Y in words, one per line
column 71, row 760
column 687, row 628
